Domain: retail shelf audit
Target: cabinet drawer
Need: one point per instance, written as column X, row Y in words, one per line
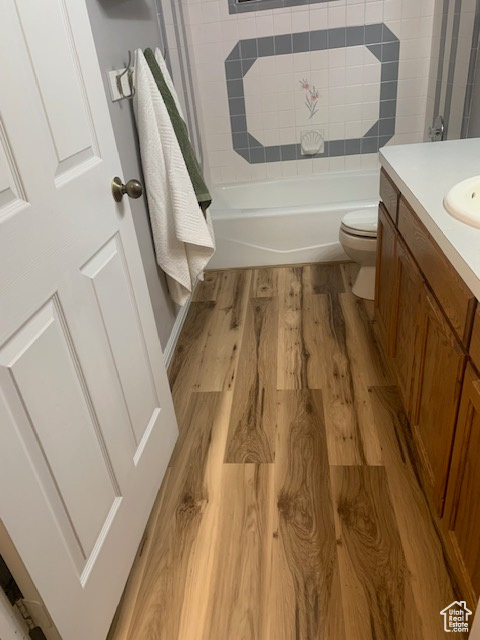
column 475, row 340
column 389, row 195
column 456, row 299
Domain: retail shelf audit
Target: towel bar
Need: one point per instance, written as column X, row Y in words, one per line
column 122, row 80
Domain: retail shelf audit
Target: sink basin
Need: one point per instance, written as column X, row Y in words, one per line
column 463, row 201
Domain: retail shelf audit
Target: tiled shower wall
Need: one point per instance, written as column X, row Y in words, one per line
column 355, row 71
column 173, row 27
column 454, row 57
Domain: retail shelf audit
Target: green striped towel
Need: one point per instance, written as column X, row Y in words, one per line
column 194, row 171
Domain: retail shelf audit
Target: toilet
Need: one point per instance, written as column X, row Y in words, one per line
column 358, row 237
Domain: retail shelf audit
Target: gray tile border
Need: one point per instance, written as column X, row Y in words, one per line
column 240, row 140
column 374, row 33
column 283, row 44
column 234, row 69
column 265, row 46
column 388, row 108
column 301, row 42
column 318, row 40
column 352, row 147
column 336, row 38
column 389, row 71
column 386, row 50
column 248, row 48
column 237, row 106
column 238, row 124
column 355, row 36
column 263, row 5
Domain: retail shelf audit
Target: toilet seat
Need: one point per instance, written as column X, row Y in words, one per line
column 361, row 223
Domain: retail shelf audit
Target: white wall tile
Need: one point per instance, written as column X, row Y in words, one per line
column 373, row 12
column 289, row 169
column 282, row 23
column 355, row 14
column 336, row 16
column 264, row 25
column 318, row 17
column 347, row 79
column 300, row 21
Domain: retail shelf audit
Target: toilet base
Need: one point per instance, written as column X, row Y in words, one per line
column 364, row 286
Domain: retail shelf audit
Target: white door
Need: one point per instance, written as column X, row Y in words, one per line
column 86, row 418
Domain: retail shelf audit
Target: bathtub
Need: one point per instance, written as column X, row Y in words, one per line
column 287, row 221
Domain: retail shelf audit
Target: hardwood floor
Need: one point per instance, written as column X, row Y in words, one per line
column 292, row 508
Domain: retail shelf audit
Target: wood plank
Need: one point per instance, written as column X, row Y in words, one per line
column 207, row 351
column 216, row 367
column 344, row 437
column 253, row 420
column 366, row 356
column 233, row 289
column 351, row 435
column 324, row 278
column 429, row 576
column 255, row 551
column 185, row 359
column 349, row 271
column 265, row 283
column 299, row 364
column 377, row 594
column 207, row 290
column 163, row 590
column 305, row 598
column 241, row 574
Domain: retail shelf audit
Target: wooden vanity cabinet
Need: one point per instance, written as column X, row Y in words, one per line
column 437, row 380
column 462, row 509
column 385, row 302
column 424, row 315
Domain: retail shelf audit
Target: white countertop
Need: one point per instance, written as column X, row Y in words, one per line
column 424, row 173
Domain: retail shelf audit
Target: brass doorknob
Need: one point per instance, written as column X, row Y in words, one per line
column 133, row 189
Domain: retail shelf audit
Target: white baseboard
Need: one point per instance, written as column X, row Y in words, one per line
column 176, row 329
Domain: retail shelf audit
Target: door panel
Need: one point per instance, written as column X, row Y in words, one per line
column 55, row 61
column 463, row 498
column 113, row 289
column 87, row 420
column 42, row 366
column 410, row 286
column 437, row 396
column 12, row 192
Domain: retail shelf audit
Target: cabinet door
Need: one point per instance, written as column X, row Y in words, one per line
column 463, row 497
column 437, row 394
column 405, row 323
column 385, row 292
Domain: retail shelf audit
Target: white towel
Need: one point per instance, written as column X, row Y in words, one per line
column 183, row 237
column 168, row 80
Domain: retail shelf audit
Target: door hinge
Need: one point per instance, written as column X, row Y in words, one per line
column 16, row 599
